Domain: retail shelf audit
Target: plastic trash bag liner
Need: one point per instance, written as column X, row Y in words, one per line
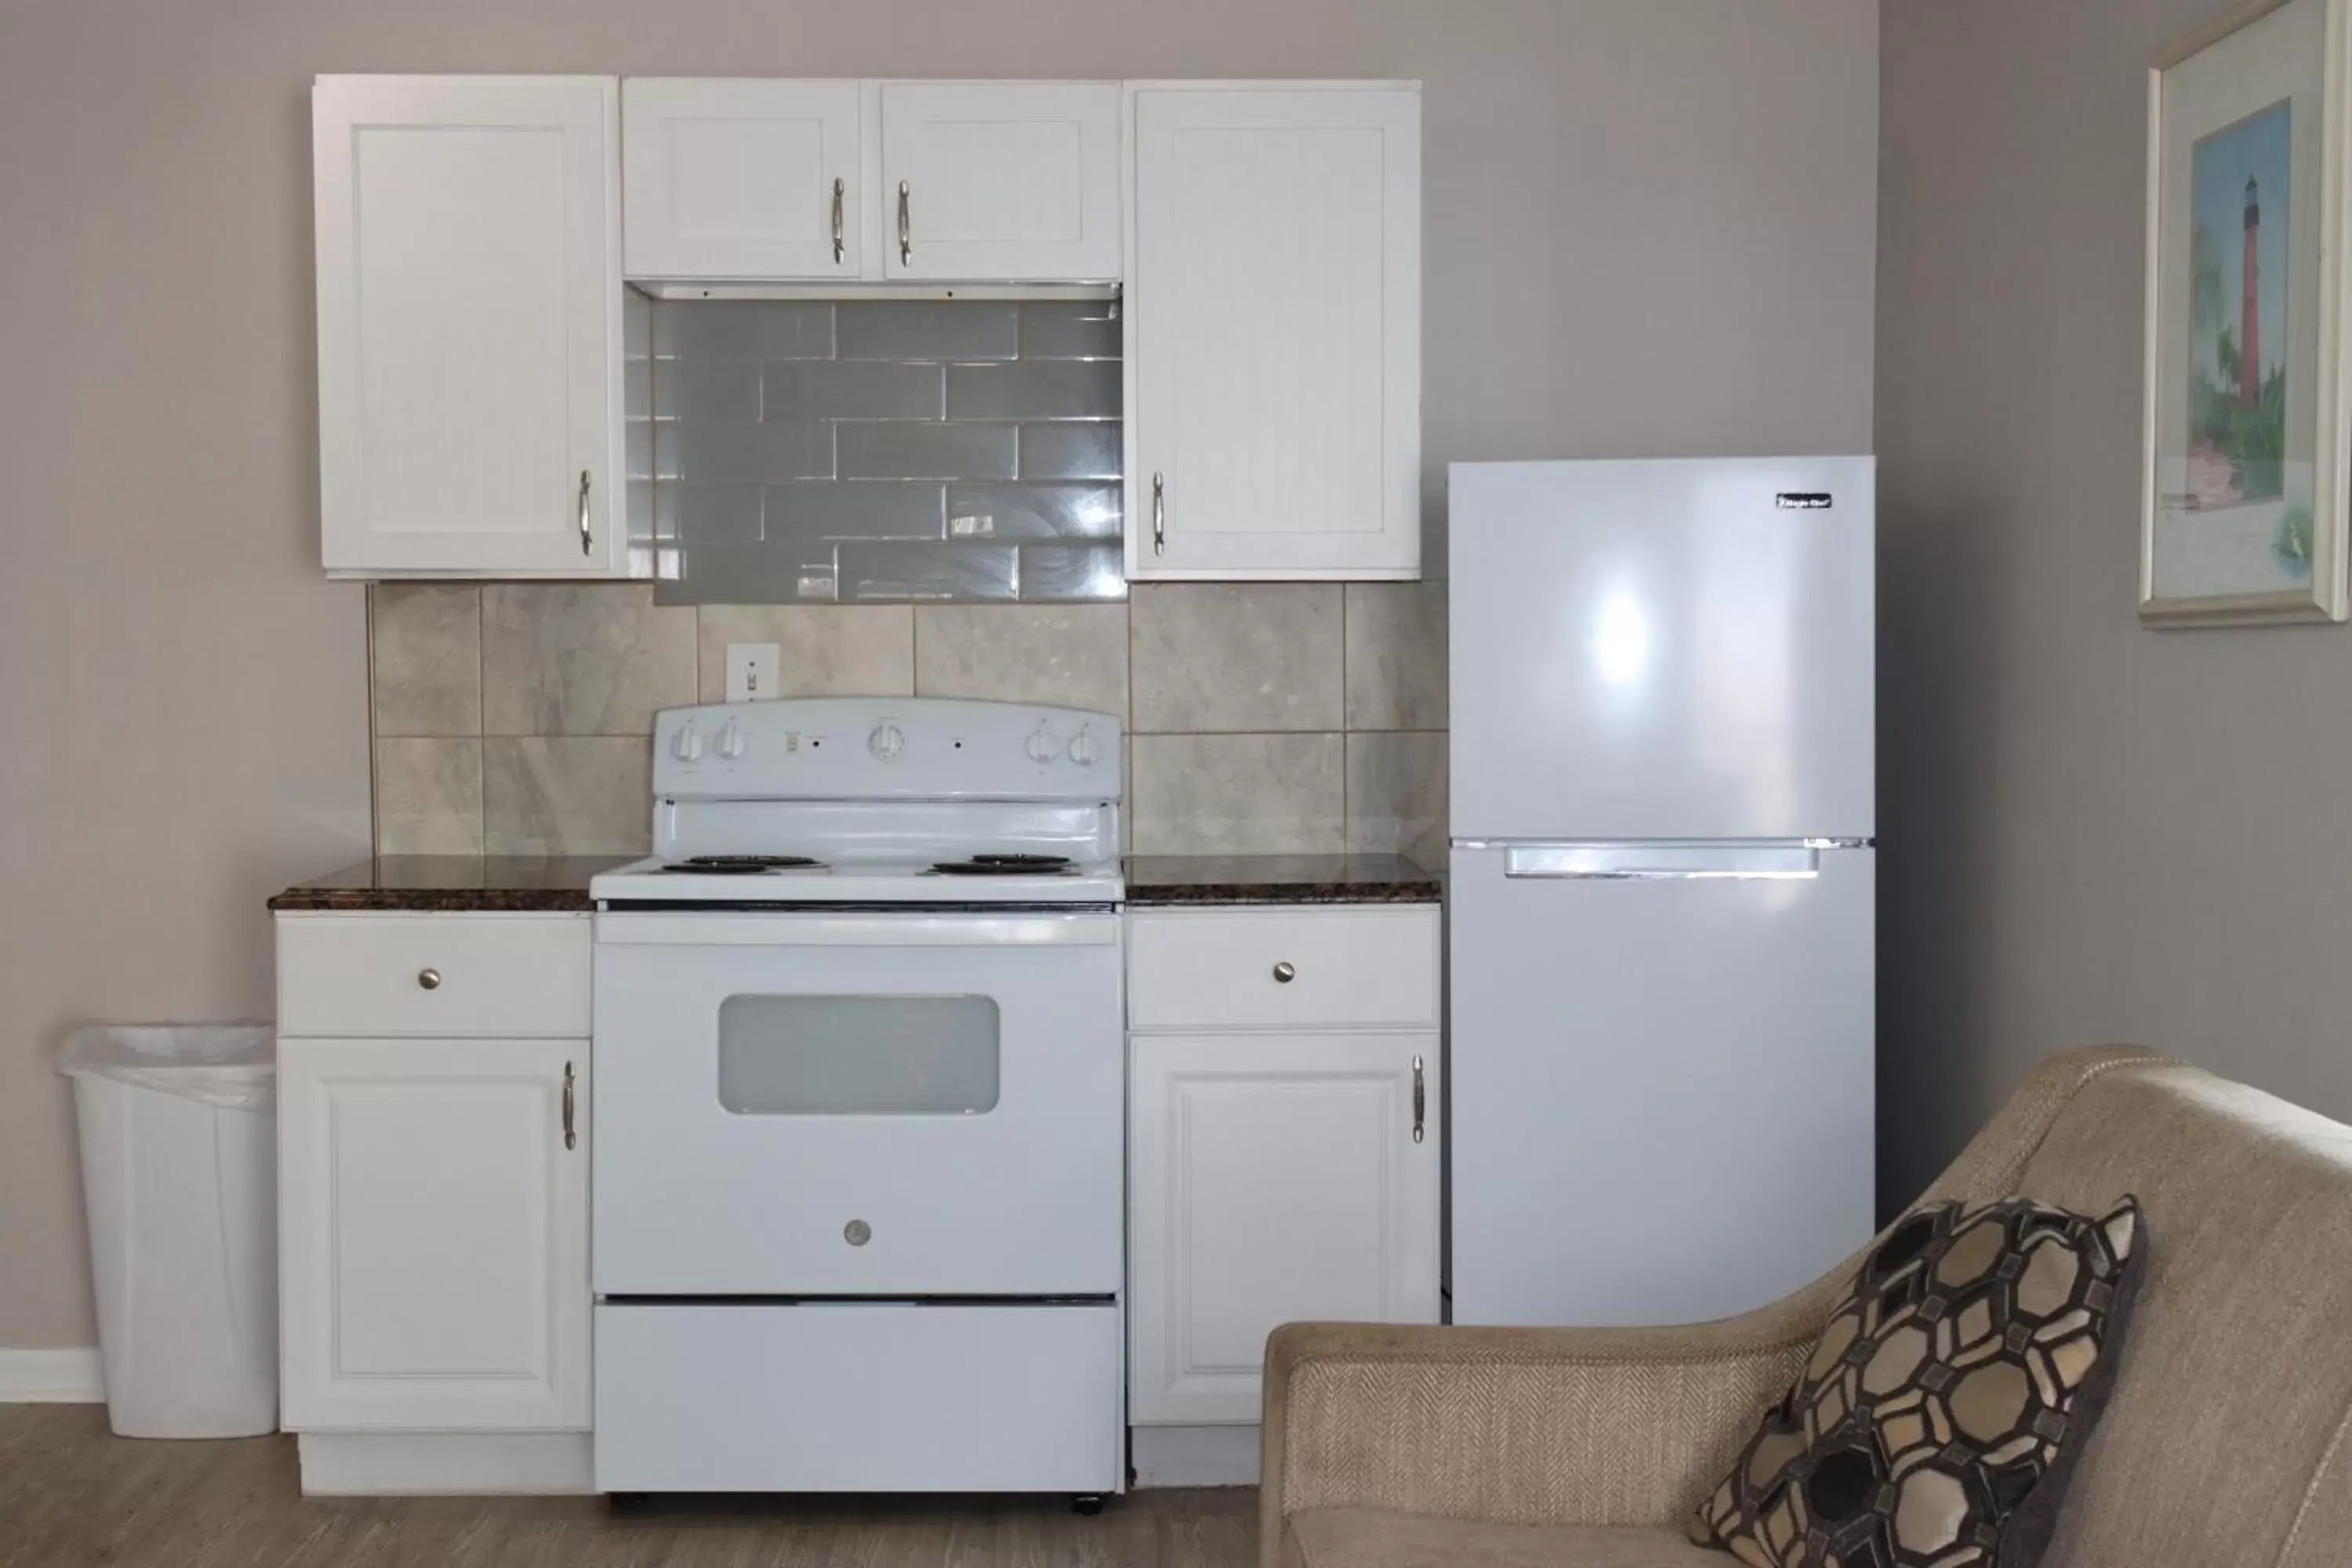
column 233, row 1066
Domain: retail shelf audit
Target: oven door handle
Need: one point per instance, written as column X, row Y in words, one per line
column 735, row 929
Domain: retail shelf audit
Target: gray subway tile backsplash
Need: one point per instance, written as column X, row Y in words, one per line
column 877, row 450
column 743, row 454
column 1076, row 450
column 797, row 331
column 709, row 514
column 1072, row 329
column 745, row 329
column 1051, row 572
column 927, row 329
column 761, row 573
column 832, row 513
column 723, row 391
column 897, row 450
column 959, row 572
column 1032, row 511
column 1035, row 389
column 852, row 389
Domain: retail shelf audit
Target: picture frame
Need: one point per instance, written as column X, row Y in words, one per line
column 2243, row 454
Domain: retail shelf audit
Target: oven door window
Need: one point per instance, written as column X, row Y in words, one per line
column 858, row 1056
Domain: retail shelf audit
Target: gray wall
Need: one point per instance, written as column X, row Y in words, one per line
column 2091, row 831
column 1649, row 229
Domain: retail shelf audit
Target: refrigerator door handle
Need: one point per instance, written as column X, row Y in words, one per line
column 1664, row 862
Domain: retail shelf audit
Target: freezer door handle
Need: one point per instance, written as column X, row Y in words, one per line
column 1664, row 862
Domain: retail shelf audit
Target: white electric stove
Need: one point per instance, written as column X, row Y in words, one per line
column 857, row 1108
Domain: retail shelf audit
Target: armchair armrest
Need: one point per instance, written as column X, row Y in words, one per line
column 1590, row 1426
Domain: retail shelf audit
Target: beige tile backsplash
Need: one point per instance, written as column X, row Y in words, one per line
column 1268, row 793
column 428, row 660
column 429, row 795
column 1220, row 658
column 565, row 659
column 822, row 650
column 513, row 719
column 1070, row 655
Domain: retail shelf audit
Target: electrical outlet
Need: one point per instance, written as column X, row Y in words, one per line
column 750, row 671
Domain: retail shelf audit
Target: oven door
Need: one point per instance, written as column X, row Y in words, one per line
column 859, row 1105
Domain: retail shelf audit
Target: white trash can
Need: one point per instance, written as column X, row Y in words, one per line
column 179, row 1174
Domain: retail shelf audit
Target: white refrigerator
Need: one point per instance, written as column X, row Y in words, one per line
column 1661, row 885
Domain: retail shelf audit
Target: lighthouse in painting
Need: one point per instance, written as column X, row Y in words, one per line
column 2240, row 180
column 2250, row 331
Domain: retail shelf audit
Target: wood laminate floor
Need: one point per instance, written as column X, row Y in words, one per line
column 72, row 1495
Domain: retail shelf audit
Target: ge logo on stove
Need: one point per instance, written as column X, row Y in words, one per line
column 858, row 1233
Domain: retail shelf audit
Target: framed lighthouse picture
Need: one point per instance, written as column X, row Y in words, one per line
column 2245, row 478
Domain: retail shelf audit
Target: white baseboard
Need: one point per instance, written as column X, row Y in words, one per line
column 428, row 1464
column 51, row 1377
column 1194, row 1456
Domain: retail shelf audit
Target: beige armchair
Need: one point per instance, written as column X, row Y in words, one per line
column 2224, row 1443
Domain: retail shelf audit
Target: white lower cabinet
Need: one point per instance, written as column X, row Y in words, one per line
column 435, row 1251
column 1276, row 1180
column 433, row 1209
column 1276, row 1175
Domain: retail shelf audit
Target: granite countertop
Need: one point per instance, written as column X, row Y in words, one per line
column 454, row 882
column 1155, row 882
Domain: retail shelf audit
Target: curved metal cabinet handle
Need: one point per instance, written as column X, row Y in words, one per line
column 906, row 227
column 430, row 979
column 1420, row 1099
column 836, row 223
column 1284, row 972
column 1159, row 515
column 587, row 540
column 571, row 1135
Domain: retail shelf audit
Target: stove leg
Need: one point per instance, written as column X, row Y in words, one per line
column 1087, row 1503
column 627, row 1505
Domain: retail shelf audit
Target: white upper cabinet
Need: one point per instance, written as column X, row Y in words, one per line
column 732, row 179
column 1008, row 180
column 1273, row 309
column 469, row 323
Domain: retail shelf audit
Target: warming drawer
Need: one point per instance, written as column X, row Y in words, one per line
column 858, row 1398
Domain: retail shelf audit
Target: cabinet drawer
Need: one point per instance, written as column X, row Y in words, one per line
column 433, row 974
column 1354, row 967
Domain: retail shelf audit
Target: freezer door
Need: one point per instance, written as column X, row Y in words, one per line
column 1660, row 1090
column 1663, row 649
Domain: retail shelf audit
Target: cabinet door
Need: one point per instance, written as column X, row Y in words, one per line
column 433, row 1234
column 469, row 325
column 1000, row 180
column 1274, row 289
column 740, row 179
column 1275, row 1180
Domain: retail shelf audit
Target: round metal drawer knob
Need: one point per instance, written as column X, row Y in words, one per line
column 429, row 978
column 858, row 1233
column 1284, row 972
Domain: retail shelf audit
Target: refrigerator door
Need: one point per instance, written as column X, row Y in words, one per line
column 1661, row 1078
column 1652, row 651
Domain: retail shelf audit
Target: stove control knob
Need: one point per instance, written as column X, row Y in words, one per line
column 886, row 742
column 688, row 747
column 1082, row 749
column 731, row 740
column 1043, row 747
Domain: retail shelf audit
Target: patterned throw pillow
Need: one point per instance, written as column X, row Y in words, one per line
column 1947, row 1399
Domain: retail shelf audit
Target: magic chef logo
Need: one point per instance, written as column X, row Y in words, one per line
column 1802, row 501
